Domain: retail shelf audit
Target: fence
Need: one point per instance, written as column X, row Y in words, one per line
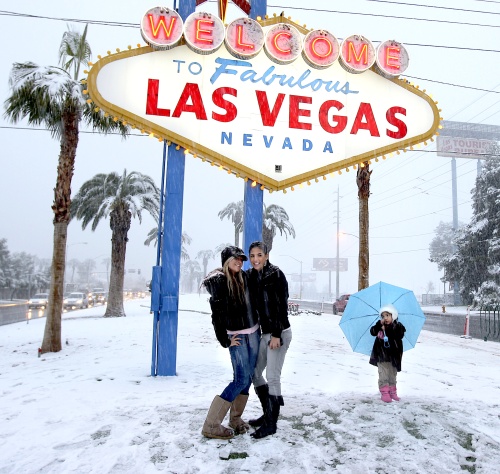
column 489, row 323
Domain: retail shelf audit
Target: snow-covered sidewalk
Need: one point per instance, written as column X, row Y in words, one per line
column 94, row 408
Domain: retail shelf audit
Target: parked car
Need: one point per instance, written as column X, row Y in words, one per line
column 39, row 300
column 340, row 304
column 76, row 300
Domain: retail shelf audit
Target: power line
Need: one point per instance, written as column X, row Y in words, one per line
column 136, row 25
column 73, row 20
column 80, row 131
column 432, row 6
column 420, row 216
column 460, row 48
column 146, row 136
column 384, row 16
column 454, row 85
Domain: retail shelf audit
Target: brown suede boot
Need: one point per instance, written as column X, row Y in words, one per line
column 212, row 428
column 235, row 422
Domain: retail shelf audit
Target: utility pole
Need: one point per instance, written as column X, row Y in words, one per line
column 456, row 295
column 337, row 280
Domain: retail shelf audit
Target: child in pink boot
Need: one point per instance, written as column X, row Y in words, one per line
column 387, row 351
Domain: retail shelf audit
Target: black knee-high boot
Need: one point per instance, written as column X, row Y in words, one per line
column 271, row 415
column 263, row 393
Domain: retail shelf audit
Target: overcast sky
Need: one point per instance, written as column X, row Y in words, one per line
column 411, row 194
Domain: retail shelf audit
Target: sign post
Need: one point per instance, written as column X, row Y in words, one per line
column 164, row 354
column 253, row 201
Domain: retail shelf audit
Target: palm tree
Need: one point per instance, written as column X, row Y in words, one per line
column 363, row 181
column 120, row 198
column 234, row 212
column 52, row 96
column 205, row 255
column 185, row 240
column 191, row 272
column 275, row 218
column 221, row 247
column 73, row 265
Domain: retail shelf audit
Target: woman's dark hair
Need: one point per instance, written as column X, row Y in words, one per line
column 260, row 245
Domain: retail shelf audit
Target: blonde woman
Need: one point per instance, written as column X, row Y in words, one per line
column 236, row 328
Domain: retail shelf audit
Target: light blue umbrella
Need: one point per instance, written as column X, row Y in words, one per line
column 362, row 312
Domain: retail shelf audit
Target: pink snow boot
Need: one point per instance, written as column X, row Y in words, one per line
column 393, row 392
column 384, row 391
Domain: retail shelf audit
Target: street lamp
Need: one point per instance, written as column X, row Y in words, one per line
column 347, row 233
column 300, row 261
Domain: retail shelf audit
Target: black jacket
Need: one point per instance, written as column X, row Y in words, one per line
column 269, row 296
column 227, row 313
column 393, row 353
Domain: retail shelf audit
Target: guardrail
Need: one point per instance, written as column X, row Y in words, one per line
column 484, row 324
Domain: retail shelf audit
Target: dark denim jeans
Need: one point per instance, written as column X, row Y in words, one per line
column 243, row 358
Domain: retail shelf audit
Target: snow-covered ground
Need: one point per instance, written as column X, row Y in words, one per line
column 94, row 408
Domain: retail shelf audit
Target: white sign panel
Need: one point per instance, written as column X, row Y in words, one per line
column 276, row 124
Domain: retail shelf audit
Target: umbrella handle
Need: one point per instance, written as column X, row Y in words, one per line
column 386, row 341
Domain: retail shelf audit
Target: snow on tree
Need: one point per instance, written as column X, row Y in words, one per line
column 476, row 263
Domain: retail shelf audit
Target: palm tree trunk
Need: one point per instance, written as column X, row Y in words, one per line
column 363, row 182
column 52, row 334
column 236, row 236
column 61, row 208
column 267, row 237
column 120, row 220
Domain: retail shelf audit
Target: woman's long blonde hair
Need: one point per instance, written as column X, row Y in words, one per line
column 235, row 282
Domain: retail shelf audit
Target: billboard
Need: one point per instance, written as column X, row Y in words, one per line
column 459, row 147
column 268, row 101
column 330, row 264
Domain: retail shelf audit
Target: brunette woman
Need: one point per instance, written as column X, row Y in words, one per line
column 269, row 294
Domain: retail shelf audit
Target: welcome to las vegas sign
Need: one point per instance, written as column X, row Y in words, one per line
column 266, row 100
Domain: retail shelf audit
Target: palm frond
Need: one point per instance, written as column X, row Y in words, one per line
column 41, row 94
column 74, row 51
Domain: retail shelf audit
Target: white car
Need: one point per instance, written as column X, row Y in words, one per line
column 76, row 300
column 40, row 300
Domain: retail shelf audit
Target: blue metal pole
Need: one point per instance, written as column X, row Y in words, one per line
column 162, row 194
column 155, row 287
column 253, row 196
column 259, row 8
column 170, row 264
column 253, row 204
column 165, row 281
column 186, row 7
